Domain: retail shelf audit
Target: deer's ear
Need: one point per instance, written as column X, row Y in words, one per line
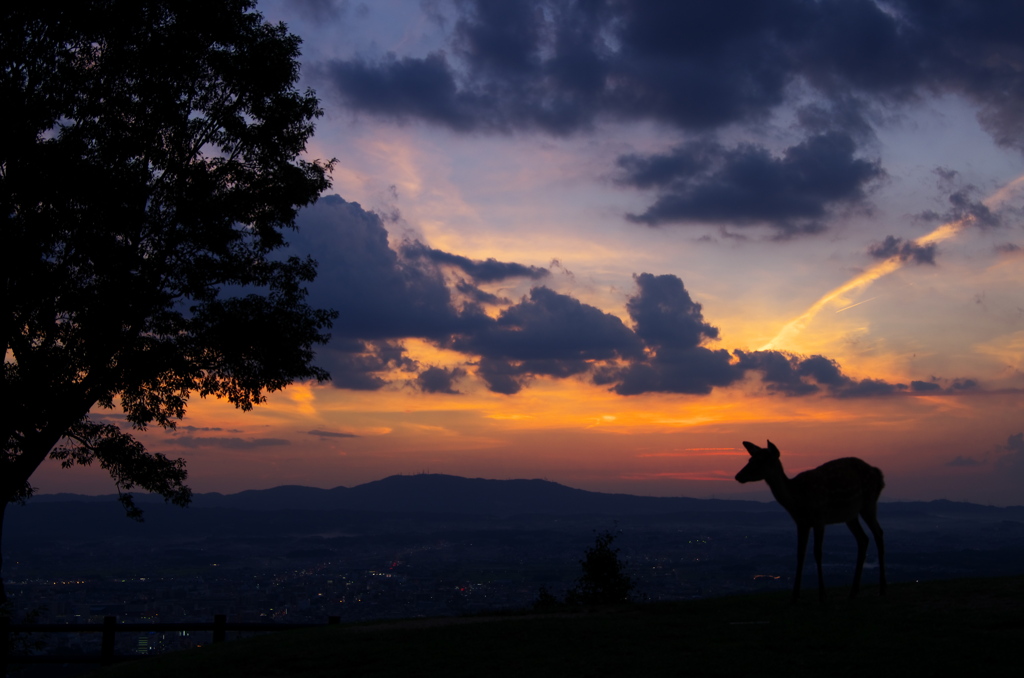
column 751, row 447
column 771, row 448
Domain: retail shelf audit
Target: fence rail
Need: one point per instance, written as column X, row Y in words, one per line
column 109, row 628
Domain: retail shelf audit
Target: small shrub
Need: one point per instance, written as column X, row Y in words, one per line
column 546, row 601
column 603, row 580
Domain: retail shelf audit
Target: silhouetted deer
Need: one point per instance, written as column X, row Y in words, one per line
column 835, row 492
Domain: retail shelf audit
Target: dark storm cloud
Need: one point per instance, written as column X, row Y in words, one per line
column 359, row 365
column 439, row 379
column 500, row 38
column 843, row 114
column 489, row 270
column 964, row 203
column 700, row 65
column 501, row 376
column 662, row 170
column 547, row 334
column 664, row 315
column 672, row 327
column 704, row 182
column 477, row 295
column 937, row 385
column 793, row 375
column 780, row 372
column 498, row 79
column 694, row 370
column 559, row 66
column 857, row 46
column 826, row 372
column 407, row 88
column 378, row 294
column 906, row 250
column 380, row 297
column 552, row 326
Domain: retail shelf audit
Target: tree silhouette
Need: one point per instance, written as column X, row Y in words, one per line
column 603, row 580
column 151, row 160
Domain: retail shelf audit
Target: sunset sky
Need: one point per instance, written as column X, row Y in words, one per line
column 604, row 243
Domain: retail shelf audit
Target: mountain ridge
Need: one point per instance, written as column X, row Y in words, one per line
column 433, row 493
column 440, row 494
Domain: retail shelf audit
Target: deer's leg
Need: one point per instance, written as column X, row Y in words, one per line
column 871, row 519
column 819, row 536
column 862, row 551
column 802, row 532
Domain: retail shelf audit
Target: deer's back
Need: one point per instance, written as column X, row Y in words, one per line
column 837, row 491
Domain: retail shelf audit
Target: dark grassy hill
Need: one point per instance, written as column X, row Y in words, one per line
column 937, row 628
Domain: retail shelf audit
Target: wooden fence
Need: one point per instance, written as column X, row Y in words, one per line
column 109, row 628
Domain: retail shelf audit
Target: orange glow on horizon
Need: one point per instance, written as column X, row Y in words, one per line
column 688, row 452
column 695, row 475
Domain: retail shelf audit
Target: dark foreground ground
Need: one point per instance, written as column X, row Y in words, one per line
column 935, row 628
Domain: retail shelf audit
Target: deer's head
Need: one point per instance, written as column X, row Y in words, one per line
column 763, row 460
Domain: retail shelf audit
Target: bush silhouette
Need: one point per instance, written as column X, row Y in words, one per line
column 603, row 580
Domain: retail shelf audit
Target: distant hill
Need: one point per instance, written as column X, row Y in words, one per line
column 394, row 503
column 439, row 494
column 431, row 493
column 401, row 503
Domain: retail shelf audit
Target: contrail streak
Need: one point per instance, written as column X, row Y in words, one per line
column 884, row 268
column 847, row 308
